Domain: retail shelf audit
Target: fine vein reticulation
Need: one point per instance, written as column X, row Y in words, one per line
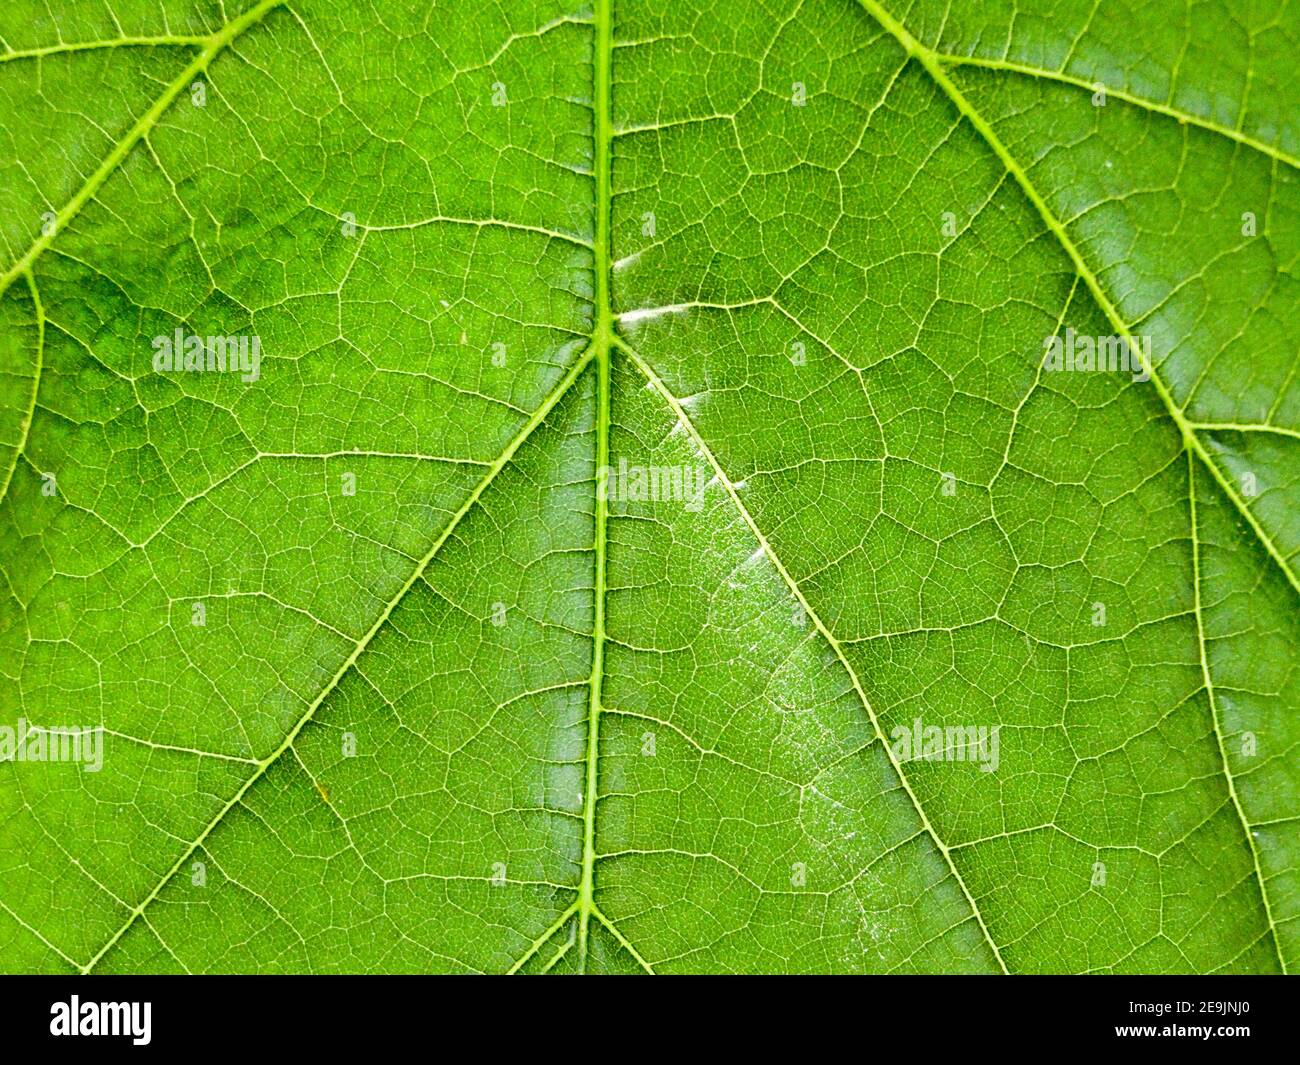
column 722, row 788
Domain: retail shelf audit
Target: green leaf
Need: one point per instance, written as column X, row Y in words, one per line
column 653, row 533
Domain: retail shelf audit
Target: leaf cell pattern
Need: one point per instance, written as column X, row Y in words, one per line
column 391, row 678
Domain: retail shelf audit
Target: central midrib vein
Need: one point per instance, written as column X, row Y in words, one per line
column 602, row 338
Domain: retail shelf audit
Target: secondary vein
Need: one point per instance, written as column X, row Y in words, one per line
column 216, row 44
column 25, row 425
column 932, row 63
column 1214, row 710
column 503, row 460
column 1169, row 111
column 818, row 624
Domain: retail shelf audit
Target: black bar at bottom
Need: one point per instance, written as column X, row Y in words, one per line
column 335, row 1015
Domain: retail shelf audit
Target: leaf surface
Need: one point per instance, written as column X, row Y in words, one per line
column 399, row 670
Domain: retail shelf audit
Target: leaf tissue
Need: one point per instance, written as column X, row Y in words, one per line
column 616, row 486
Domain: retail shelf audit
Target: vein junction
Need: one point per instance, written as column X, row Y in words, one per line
column 576, row 925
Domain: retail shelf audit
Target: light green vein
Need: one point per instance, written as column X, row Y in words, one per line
column 35, row 932
column 1214, row 710
column 1241, row 427
column 25, row 425
column 263, row 764
column 212, row 48
column 1183, row 117
column 933, row 65
column 480, row 223
column 812, row 615
column 65, row 47
column 558, row 956
column 603, row 336
column 623, row 941
column 541, row 940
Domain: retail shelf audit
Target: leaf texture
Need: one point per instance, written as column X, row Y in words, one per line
column 395, row 668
